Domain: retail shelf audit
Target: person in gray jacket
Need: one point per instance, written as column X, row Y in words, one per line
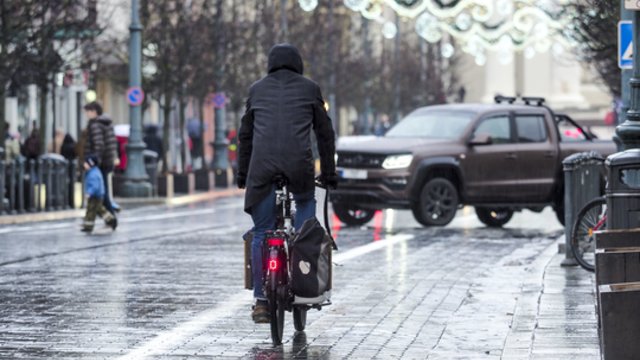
column 275, row 139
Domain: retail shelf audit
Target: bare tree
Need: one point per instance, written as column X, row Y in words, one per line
column 594, row 28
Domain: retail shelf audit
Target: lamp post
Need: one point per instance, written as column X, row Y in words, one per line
column 629, row 131
column 136, row 180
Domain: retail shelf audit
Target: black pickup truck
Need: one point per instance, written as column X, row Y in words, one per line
column 499, row 158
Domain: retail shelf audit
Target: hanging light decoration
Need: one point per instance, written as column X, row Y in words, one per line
column 477, row 25
column 308, row 5
column 389, row 30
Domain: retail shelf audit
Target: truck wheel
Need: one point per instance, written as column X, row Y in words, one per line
column 351, row 215
column 437, row 203
column 494, row 217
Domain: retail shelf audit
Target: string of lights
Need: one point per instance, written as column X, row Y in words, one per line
column 478, row 26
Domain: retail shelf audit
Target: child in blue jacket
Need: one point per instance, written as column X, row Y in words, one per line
column 95, row 192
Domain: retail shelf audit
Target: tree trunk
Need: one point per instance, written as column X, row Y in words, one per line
column 166, row 108
column 44, row 93
column 183, row 144
column 203, row 146
column 3, row 121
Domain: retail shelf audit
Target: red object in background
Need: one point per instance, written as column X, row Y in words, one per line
column 610, row 118
column 122, row 151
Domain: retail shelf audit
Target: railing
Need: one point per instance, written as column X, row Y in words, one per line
column 45, row 184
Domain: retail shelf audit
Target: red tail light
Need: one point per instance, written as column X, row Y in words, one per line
column 275, row 241
column 273, row 264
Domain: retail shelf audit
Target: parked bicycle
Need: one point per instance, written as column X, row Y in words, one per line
column 279, row 269
column 591, row 218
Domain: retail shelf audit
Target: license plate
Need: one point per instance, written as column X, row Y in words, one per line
column 353, row 174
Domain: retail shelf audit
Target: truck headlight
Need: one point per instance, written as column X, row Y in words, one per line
column 397, row 161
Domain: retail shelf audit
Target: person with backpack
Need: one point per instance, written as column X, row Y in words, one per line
column 100, row 140
column 94, row 190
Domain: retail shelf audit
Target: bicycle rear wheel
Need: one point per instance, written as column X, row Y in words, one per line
column 299, row 317
column 276, row 308
column 592, row 217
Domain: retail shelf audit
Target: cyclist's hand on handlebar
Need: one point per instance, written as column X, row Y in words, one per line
column 328, row 180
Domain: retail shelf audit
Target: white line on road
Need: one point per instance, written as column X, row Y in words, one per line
column 174, row 337
column 125, row 220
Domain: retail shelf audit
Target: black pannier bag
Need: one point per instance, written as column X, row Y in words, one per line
column 311, row 262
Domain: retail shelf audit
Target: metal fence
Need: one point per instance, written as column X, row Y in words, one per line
column 45, row 184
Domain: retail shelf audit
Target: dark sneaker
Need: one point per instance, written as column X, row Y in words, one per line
column 113, row 222
column 260, row 312
column 86, row 229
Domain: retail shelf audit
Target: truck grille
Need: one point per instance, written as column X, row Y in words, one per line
column 362, row 161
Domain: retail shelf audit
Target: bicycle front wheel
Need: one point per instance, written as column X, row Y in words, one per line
column 591, row 218
column 299, row 317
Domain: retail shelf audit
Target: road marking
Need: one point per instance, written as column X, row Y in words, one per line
column 231, row 305
column 125, row 220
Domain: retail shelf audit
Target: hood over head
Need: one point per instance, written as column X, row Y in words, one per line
column 285, row 56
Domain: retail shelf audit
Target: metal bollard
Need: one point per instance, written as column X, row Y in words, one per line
column 47, row 184
column 71, row 186
column 40, row 181
column 11, row 172
column 20, row 162
column 583, row 174
column 2, row 189
column 57, row 184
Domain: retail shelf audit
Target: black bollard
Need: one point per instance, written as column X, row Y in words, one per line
column 20, row 162
column 11, row 172
column 2, row 176
column 47, row 184
column 71, row 186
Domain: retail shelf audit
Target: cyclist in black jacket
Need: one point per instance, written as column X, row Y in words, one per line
column 274, row 138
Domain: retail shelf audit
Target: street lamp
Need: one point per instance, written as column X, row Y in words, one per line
column 136, row 180
column 629, row 131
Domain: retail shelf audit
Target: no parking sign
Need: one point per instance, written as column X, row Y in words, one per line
column 135, row 96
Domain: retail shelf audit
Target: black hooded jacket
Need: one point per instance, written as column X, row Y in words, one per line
column 274, row 136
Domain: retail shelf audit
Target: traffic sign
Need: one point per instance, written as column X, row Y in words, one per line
column 625, row 44
column 632, row 4
column 219, row 100
column 135, row 96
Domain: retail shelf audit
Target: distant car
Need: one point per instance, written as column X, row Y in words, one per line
column 499, row 158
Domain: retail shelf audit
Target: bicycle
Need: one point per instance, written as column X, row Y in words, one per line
column 591, row 218
column 277, row 280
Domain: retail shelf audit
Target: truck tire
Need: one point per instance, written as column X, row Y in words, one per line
column 494, row 217
column 352, row 216
column 437, row 203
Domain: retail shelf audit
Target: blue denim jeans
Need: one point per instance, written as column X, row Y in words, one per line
column 263, row 215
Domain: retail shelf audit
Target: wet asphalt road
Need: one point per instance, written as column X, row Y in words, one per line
column 168, row 284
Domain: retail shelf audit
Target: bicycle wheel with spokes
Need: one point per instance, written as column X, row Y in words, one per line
column 591, row 218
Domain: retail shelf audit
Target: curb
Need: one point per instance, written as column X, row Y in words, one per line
column 75, row 213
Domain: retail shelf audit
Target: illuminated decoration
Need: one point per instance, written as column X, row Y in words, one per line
column 478, row 26
column 308, row 5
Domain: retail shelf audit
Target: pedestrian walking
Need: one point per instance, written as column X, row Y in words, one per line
column 12, row 146
column 94, row 190
column 101, row 141
column 275, row 139
column 68, row 149
column 32, row 145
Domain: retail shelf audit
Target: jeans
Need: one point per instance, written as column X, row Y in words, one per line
column 263, row 215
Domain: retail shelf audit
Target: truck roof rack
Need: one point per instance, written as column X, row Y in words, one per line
column 532, row 99
column 499, row 99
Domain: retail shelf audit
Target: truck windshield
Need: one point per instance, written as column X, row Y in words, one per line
column 432, row 124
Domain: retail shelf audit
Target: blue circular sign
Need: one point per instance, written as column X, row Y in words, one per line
column 135, row 96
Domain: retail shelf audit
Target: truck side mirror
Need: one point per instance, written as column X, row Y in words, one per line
column 481, row 139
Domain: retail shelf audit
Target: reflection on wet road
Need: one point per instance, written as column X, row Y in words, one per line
column 168, row 284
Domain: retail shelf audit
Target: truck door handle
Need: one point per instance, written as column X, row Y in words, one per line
column 549, row 154
column 511, row 156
